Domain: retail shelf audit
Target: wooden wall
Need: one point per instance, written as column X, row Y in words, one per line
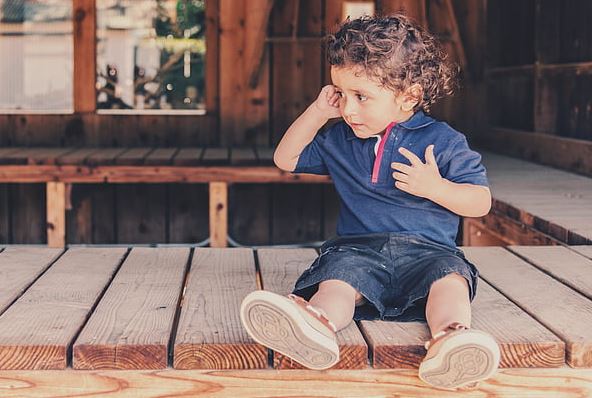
column 539, row 80
column 291, row 74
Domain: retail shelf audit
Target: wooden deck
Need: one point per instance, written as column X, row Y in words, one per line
column 72, row 320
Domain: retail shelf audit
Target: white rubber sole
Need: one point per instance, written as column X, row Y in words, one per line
column 462, row 359
column 275, row 322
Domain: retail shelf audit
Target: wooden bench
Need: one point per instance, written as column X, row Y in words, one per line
column 59, row 168
column 533, row 204
column 85, row 314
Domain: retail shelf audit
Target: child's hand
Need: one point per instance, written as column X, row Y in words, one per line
column 419, row 179
column 328, row 102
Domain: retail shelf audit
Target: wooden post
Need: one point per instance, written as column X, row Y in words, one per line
column 218, row 214
column 84, row 55
column 56, row 214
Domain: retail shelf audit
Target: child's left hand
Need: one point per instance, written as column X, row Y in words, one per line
column 419, row 179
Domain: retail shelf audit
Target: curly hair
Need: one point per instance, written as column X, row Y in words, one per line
column 396, row 52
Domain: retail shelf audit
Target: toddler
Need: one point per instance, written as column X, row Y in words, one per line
column 403, row 179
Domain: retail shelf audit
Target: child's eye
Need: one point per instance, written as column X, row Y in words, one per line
column 361, row 97
column 339, row 93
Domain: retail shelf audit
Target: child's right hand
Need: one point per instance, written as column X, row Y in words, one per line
column 328, row 102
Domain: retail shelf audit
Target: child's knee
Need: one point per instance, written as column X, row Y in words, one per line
column 337, row 286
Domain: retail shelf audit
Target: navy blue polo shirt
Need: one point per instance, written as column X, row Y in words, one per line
column 374, row 205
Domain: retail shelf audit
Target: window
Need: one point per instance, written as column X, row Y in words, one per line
column 151, row 55
column 36, row 35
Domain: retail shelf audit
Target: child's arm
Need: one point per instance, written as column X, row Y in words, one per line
column 424, row 180
column 304, row 129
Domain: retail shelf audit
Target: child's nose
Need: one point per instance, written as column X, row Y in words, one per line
column 349, row 108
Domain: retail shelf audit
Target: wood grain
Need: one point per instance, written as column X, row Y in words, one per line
column 132, row 324
column 210, row 335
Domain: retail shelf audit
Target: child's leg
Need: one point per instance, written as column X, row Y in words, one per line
column 337, row 299
column 448, row 302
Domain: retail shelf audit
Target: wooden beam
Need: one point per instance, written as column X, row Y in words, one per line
column 56, row 214
column 561, row 152
column 258, row 12
column 218, row 214
column 151, row 174
column 84, row 19
column 542, row 383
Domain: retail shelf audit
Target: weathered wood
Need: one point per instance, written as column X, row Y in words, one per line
column 564, row 264
column 477, row 234
column 54, row 308
column 140, row 220
column 507, row 231
column 104, row 156
column 84, row 33
column 265, row 155
column 218, row 214
column 152, row 174
column 56, row 214
column 133, row 156
column 583, row 250
column 243, row 156
column 259, row 15
column 76, row 157
column 562, row 152
column 19, row 267
column 279, row 270
column 161, row 156
column 215, row 156
column 188, row 156
column 132, row 324
column 46, row 155
column 210, row 335
column 524, row 343
column 562, row 310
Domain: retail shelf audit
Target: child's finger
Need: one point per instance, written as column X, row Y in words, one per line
column 429, row 155
column 415, row 161
column 401, row 167
column 401, row 177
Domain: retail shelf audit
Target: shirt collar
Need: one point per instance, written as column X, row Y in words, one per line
column 418, row 120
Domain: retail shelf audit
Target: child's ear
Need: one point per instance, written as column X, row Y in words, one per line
column 411, row 96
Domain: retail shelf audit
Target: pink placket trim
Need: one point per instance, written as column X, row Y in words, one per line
column 378, row 159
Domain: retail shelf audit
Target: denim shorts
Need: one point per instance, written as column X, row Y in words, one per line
column 393, row 272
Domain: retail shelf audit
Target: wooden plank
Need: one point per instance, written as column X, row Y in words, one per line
column 132, row 325
column 524, row 343
column 56, row 214
column 188, row 156
column 215, row 156
column 161, row 156
column 583, row 250
column 243, row 157
column 233, row 85
column 19, row 267
column 84, row 18
column 19, row 156
column 265, row 155
column 569, row 154
column 210, row 335
column 562, row 263
column 218, row 214
column 46, row 155
column 28, row 213
column 415, row 9
column 153, row 174
column 279, row 270
column 76, row 157
column 133, row 156
column 562, row 310
column 140, row 220
column 188, row 222
column 54, row 308
column 104, row 156
column 506, row 383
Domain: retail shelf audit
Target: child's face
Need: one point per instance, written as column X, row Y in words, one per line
column 366, row 106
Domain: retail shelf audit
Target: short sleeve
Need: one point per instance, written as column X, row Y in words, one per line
column 311, row 160
column 464, row 165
